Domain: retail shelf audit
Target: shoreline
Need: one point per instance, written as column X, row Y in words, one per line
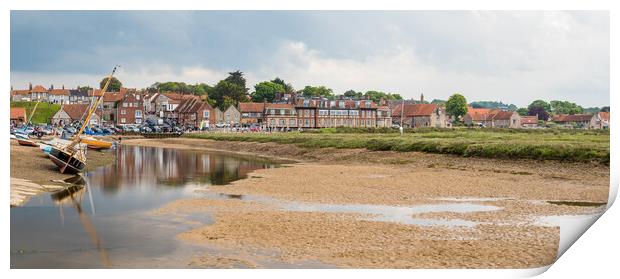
column 523, row 190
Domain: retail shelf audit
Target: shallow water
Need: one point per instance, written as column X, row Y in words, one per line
column 106, row 222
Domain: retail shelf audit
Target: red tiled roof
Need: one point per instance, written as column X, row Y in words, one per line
column 251, row 107
column 191, row 105
column 20, row 92
column 572, row 118
column 64, row 92
column 279, row 106
column 604, row 115
column 113, row 97
column 529, row 120
column 503, row 115
column 414, row 110
column 76, row 111
column 17, row 113
column 39, row 88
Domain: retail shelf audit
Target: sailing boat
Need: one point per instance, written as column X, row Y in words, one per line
column 22, row 138
column 69, row 157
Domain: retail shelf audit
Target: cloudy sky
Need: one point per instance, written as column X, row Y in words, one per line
column 514, row 57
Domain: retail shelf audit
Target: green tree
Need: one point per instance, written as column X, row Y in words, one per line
column 352, row 94
column 540, row 108
column 565, row 107
column 266, row 91
column 522, row 111
column 605, row 109
column 318, row 91
column 456, row 105
column 227, row 102
column 84, row 89
column 376, row 96
column 115, row 84
column 237, row 78
column 438, row 102
column 288, row 88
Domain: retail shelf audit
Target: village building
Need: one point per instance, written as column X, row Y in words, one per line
column 130, row 109
column 39, row 93
column 477, row 116
column 193, row 112
column 232, row 116
column 579, row 121
column 78, row 97
column 219, row 115
column 529, row 121
column 70, row 113
column 384, row 117
column 505, row 119
column 602, row 120
column 251, row 113
column 58, row 96
column 20, row 95
column 18, row 115
column 280, row 116
column 419, row 115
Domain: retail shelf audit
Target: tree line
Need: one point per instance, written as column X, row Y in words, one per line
column 233, row 89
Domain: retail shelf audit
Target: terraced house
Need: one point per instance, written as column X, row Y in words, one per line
column 251, row 113
column 130, row 109
column 280, row 116
column 193, row 112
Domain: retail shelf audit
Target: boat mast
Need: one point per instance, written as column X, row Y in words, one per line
column 94, row 107
column 34, row 109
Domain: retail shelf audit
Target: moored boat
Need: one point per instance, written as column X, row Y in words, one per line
column 70, row 158
column 27, row 142
column 94, row 143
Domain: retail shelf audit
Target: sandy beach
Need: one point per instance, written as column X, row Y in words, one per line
column 290, row 210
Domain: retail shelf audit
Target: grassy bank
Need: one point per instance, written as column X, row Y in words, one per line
column 565, row 146
column 44, row 111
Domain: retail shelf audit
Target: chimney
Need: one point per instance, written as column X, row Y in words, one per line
column 422, row 98
column 52, row 87
column 63, row 87
column 30, row 86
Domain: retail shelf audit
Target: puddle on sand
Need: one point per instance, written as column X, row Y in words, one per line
column 398, row 214
column 381, row 213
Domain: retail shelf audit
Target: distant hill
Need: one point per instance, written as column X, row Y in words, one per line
column 44, row 112
column 493, row 105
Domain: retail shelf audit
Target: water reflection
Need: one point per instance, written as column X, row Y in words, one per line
column 172, row 167
column 63, row 230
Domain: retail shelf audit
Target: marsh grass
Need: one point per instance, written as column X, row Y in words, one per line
column 569, row 145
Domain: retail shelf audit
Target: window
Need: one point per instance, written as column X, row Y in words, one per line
column 123, row 120
column 291, row 122
column 306, row 113
column 123, row 111
column 205, row 114
column 272, row 122
column 282, row 112
column 282, row 122
column 138, row 120
column 124, row 105
column 138, row 113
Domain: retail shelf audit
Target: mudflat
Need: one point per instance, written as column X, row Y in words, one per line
column 350, row 207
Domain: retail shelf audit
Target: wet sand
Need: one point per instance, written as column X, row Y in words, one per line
column 32, row 172
column 509, row 237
